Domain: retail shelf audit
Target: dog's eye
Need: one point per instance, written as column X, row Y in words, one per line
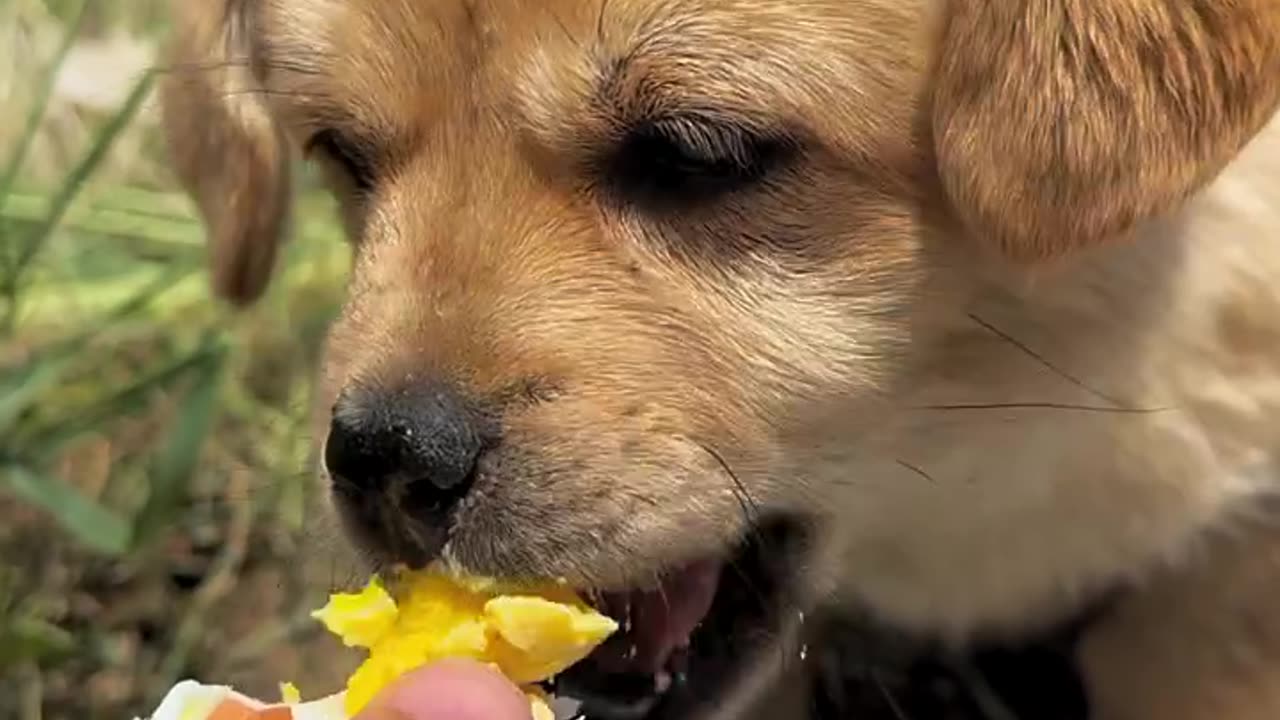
column 350, row 156
column 691, row 159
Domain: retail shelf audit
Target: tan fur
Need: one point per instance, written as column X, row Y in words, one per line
column 1105, row 113
column 984, row 444
column 227, row 147
column 1200, row 641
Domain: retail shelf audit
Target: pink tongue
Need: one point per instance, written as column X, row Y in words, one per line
column 662, row 619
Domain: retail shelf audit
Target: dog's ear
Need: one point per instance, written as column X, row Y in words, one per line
column 228, row 151
column 1061, row 123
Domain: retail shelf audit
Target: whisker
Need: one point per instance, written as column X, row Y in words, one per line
column 989, row 703
column 604, row 9
column 889, row 699
column 1044, row 362
column 559, row 21
column 1043, row 406
column 267, row 92
column 751, row 513
column 917, row 471
column 310, row 66
column 197, row 66
column 662, row 593
column 750, row 509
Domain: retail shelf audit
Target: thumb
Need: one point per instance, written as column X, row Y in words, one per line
column 450, row 690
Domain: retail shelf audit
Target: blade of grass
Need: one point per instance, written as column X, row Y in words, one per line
column 35, row 114
column 21, row 388
column 107, row 219
column 45, row 443
column 70, row 189
column 216, row 585
column 83, row 170
column 183, row 312
column 88, row 522
column 178, row 460
column 24, row 639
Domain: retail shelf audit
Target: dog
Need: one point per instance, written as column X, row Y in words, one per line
column 963, row 315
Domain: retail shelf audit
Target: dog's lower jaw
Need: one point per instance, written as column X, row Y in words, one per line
column 781, row 689
column 775, row 682
column 771, row 686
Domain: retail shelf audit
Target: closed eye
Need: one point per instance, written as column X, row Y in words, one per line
column 349, row 155
column 693, row 158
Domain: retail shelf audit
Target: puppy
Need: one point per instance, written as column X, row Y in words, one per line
column 960, row 314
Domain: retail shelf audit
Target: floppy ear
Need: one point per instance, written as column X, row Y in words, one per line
column 228, row 151
column 1062, row 123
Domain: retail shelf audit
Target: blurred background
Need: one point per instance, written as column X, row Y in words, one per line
column 153, row 452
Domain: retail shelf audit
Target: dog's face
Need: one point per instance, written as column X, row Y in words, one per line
column 633, row 276
column 614, row 236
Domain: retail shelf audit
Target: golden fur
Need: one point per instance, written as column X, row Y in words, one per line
column 1006, row 326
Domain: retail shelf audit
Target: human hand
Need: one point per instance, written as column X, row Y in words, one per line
column 450, row 690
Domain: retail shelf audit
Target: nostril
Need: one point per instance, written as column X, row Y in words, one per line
column 348, row 455
column 446, row 439
column 424, row 436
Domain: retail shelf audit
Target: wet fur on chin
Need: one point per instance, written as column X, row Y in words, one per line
column 1008, row 345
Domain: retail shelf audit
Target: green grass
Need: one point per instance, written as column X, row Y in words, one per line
column 153, row 446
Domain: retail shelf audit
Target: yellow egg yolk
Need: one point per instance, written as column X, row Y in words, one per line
column 529, row 633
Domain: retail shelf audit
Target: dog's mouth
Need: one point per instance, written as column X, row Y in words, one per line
column 684, row 643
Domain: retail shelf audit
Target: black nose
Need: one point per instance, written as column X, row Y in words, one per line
column 420, row 442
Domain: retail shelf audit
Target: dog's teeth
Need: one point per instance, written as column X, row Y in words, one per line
column 662, row 682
